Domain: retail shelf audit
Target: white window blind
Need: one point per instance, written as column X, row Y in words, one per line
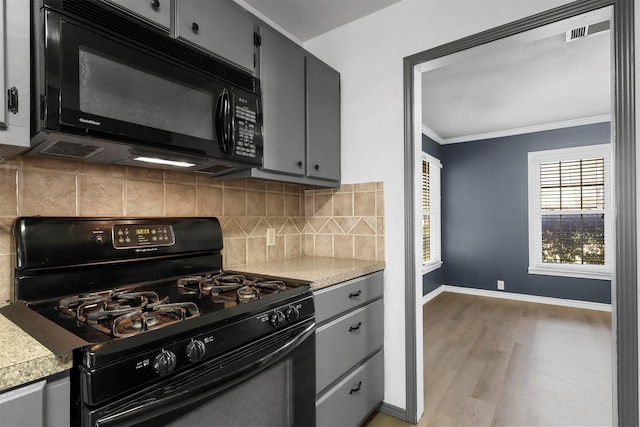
column 570, row 230
column 430, row 209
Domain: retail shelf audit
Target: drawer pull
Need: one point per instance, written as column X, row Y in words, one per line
column 356, row 388
column 355, row 328
column 355, row 294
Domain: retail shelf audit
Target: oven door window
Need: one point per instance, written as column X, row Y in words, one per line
column 110, row 87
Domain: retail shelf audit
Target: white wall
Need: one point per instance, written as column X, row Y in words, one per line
column 369, row 55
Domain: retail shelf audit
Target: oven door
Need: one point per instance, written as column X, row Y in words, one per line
column 266, row 383
column 97, row 84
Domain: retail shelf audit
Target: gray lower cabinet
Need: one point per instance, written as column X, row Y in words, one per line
column 42, row 403
column 349, row 351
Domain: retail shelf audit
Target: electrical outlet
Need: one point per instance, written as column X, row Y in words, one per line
column 501, row 285
column 271, row 236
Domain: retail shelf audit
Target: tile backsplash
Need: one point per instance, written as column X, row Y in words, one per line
column 347, row 222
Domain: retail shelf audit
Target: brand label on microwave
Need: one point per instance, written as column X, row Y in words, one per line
column 89, row 121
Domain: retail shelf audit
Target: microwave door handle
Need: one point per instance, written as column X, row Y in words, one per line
column 223, row 121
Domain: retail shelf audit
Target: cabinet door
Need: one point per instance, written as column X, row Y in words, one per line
column 156, row 11
column 323, row 120
column 14, row 76
column 23, row 406
column 282, row 80
column 218, row 27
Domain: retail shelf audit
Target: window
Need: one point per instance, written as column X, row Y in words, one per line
column 431, row 258
column 570, row 220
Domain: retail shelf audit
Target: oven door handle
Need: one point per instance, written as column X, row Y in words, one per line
column 201, row 382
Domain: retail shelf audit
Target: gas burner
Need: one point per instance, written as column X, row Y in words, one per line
column 230, row 287
column 123, row 313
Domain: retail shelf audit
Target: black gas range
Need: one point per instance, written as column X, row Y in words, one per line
column 159, row 332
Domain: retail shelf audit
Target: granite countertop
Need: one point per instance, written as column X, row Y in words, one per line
column 23, row 359
column 320, row 271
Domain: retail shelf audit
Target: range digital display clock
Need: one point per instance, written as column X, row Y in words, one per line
column 127, row 236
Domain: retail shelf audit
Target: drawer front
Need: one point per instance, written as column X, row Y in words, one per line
column 353, row 398
column 344, row 342
column 334, row 300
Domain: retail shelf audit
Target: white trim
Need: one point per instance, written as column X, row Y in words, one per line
column 587, row 305
column 516, row 131
column 430, row 266
column 536, row 266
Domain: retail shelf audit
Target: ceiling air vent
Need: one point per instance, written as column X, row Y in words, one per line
column 587, row 30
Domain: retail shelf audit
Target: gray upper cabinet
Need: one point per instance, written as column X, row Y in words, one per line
column 323, row 120
column 283, row 85
column 14, row 78
column 301, row 118
column 219, row 27
column 155, row 11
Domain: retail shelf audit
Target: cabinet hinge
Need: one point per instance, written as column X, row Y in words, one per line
column 257, row 39
column 12, row 100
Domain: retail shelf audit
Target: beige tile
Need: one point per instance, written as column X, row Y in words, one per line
column 345, row 188
column 204, row 179
column 47, row 193
column 256, row 203
column 275, row 204
column 209, row 200
column 293, row 188
column 256, row 184
column 343, row 204
column 365, row 247
column 180, row 200
column 144, row 198
column 343, row 246
column 292, row 205
column 367, row 186
column 5, row 280
column 324, row 245
column 101, row 196
column 380, row 226
column 363, row 227
column 144, row 174
column 364, row 203
column 379, row 203
column 275, row 187
column 323, row 205
column 277, row 251
column 257, row 249
column 52, row 163
column 248, row 224
column 292, row 245
column 308, row 204
column 234, row 202
column 8, row 192
column 5, row 237
column 102, row 169
column 380, row 253
column 231, row 229
column 234, row 252
column 235, row 183
column 180, row 177
column 309, row 245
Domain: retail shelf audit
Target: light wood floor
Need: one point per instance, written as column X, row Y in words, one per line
column 491, row 361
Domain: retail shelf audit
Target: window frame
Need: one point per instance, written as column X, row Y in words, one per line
column 588, row 271
column 435, row 215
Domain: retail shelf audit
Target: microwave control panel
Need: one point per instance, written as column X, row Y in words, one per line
column 246, row 123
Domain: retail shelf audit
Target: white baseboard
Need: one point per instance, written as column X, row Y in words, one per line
column 518, row 297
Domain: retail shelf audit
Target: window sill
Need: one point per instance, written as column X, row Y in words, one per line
column 430, row 266
column 570, row 272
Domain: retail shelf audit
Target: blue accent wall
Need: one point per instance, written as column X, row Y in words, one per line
column 435, row 278
column 485, row 217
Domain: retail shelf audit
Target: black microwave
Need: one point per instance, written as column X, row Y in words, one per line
column 111, row 89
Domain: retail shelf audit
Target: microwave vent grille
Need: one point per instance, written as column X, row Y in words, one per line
column 146, row 36
column 72, row 150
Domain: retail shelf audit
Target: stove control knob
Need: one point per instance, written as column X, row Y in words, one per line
column 195, row 351
column 292, row 314
column 165, row 362
column 277, row 318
